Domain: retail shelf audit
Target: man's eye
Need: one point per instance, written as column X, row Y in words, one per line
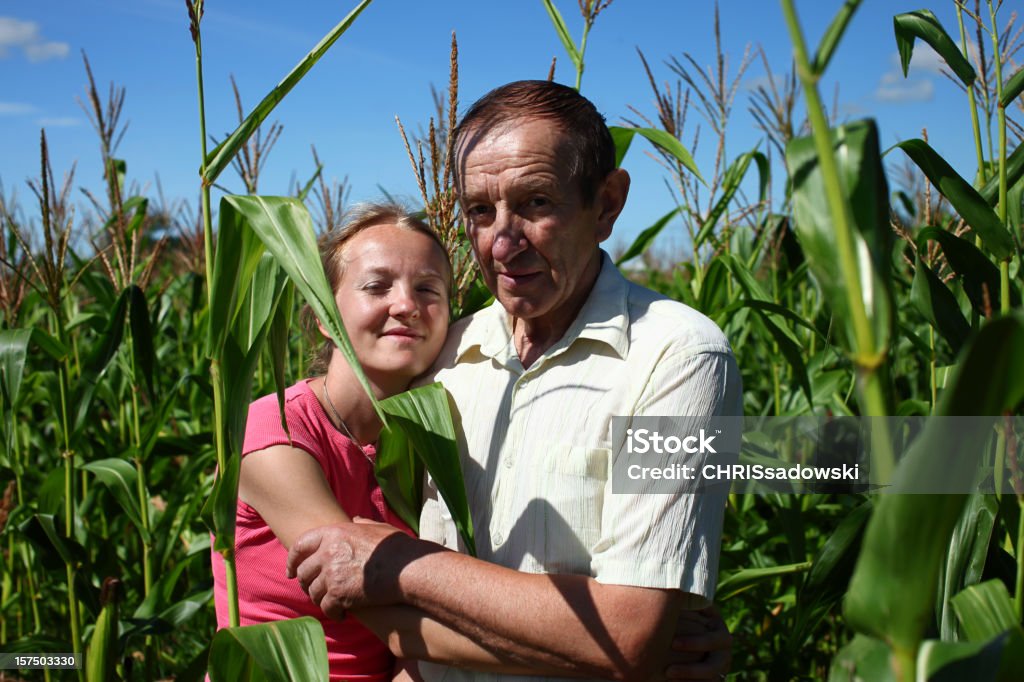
column 478, row 210
column 538, row 202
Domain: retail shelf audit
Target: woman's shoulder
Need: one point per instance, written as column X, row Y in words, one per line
column 302, row 412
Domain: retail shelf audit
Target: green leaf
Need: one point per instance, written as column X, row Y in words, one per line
column 142, row 337
column 236, row 258
column 624, row 136
column 859, row 164
column 423, row 415
column 121, row 479
column 286, row 230
column 731, row 180
column 938, row 305
column 49, row 345
column 749, row 577
column 400, row 474
column 939, row 661
column 277, row 337
column 222, row 155
column 646, row 238
column 793, row 353
column 258, row 303
column 923, row 24
column 304, row 192
column 985, row 610
column 13, row 349
column 964, row 198
column 864, row 659
column 835, row 31
column 829, row 576
column 280, row 651
column 562, row 31
column 968, row 551
column 1012, row 88
column 980, row 278
column 221, row 508
column 99, row 359
column 1014, row 172
column 990, row 376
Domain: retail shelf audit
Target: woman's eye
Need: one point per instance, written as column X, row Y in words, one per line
column 375, row 287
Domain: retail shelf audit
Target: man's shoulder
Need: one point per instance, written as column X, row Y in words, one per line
column 656, row 317
column 463, row 335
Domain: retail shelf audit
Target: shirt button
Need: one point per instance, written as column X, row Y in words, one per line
column 497, row 538
column 508, row 462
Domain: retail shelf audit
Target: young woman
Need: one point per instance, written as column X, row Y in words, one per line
column 390, row 275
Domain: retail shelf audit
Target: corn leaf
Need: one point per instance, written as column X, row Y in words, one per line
column 964, row 198
column 284, row 227
column 923, row 24
column 121, row 480
column 219, row 510
column 423, row 416
column 749, row 577
column 731, row 180
column 99, row 359
column 562, row 31
column 220, row 158
column 235, row 261
column 834, row 33
column 968, row 551
column 623, row 137
column 1014, row 172
column 278, row 336
column 939, row 661
column 646, row 238
column 142, row 337
column 829, row 575
column 101, row 657
column 980, row 278
column 864, row 659
column 279, row 651
column 985, row 610
column 863, row 177
column 938, row 305
column 892, row 592
column 1012, row 88
column 13, row 349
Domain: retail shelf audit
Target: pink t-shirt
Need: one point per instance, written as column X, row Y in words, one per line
column 264, row 593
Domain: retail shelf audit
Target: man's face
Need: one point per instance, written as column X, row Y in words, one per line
column 535, row 241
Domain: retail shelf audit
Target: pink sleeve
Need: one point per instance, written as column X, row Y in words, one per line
column 263, row 428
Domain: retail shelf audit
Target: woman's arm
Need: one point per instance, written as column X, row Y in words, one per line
column 287, row 487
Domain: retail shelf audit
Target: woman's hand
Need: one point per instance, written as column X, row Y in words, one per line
column 701, row 647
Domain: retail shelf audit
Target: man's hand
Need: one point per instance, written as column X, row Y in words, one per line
column 352, row 565
column 701, row 647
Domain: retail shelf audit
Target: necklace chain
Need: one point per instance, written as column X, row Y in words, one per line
column 344, row 426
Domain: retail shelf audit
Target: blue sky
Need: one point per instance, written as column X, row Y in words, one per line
column 384, row 65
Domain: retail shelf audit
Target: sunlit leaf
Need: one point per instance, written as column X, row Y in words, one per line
column 731, row 180
column 121, row 479
column 424, row 416
column 562, row 31
column 646, row 238
column 13, row 349
column 938, row 305
column 744, row 579
column 222, row 155
column 985, row 610
column 279, row 651
column 661, row 139
column 1012, row 88
column 923, row 24
column 835, row 31
column 979, row 277
column 968, row 552
column 964, row 198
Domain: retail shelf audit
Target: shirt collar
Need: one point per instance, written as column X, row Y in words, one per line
column 604, row 317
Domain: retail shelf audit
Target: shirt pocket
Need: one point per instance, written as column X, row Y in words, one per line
column 574, row 490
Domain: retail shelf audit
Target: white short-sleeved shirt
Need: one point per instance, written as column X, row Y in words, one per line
column 536, row 444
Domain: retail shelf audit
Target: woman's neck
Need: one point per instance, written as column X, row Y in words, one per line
column 349, row 401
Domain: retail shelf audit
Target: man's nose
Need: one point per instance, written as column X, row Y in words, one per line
column 509, row 240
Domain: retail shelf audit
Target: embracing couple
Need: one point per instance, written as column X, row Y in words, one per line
column 571, row 580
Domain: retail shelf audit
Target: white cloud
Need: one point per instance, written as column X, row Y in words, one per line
column 25, row 35
column 923, row 59
column 15, row 108
column 59, row 122
column 913, row 90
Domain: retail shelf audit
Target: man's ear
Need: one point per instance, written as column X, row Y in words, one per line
column 611, row 198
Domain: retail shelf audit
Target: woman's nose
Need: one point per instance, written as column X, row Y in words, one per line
column 403, row 303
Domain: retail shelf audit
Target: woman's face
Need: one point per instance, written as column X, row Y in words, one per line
column 393, row 298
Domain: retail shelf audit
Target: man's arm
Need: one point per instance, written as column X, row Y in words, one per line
column 572, row 623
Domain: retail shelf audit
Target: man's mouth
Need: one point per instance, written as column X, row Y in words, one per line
column 514, row 279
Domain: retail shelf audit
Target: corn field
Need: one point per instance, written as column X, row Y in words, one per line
column 127, row 365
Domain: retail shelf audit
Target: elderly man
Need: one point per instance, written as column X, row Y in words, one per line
column 570, row 578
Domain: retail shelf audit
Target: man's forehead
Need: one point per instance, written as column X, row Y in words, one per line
column 481, row 133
